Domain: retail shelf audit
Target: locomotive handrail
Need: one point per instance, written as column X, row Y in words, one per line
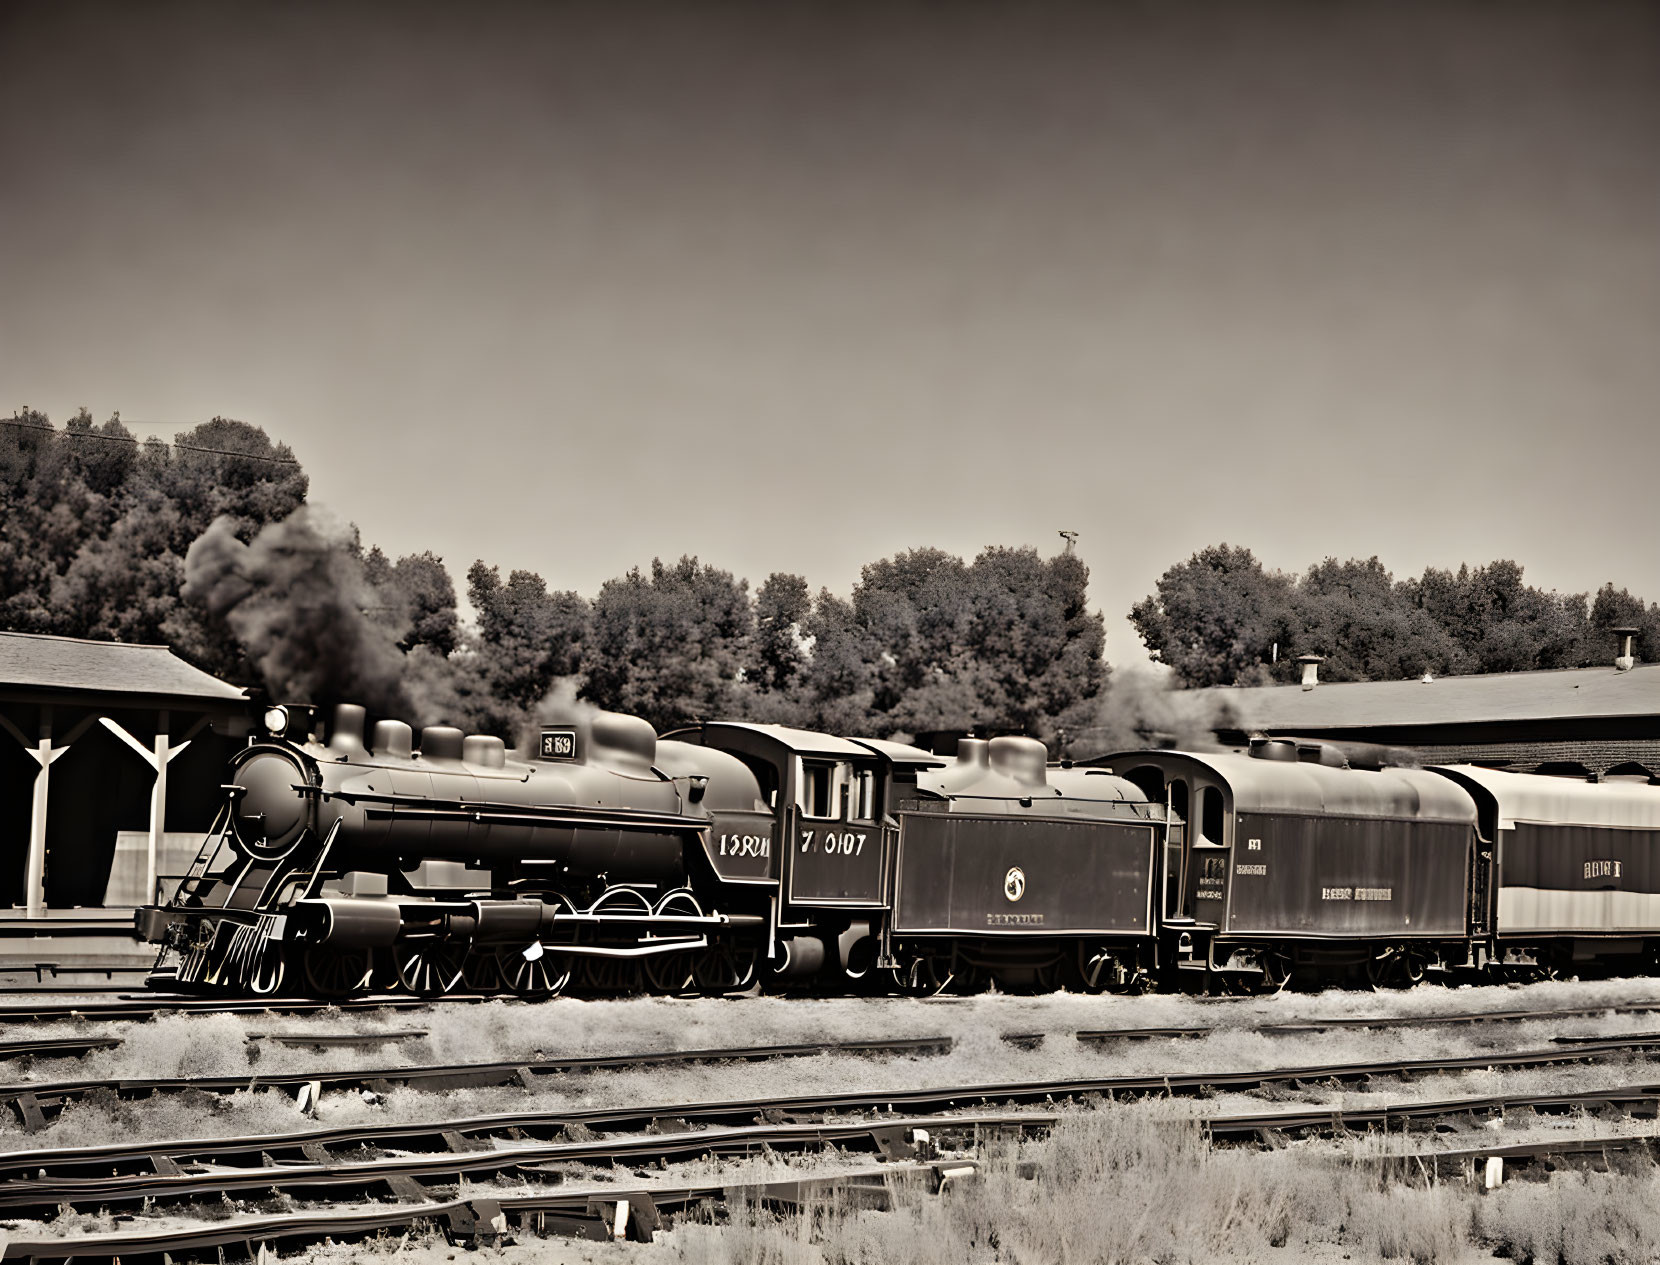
column 415, row 807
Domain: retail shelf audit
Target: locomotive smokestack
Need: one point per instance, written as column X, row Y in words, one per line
column 974, row 752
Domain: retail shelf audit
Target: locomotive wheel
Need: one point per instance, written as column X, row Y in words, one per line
column 481, row 973
column 671, row 974
column 533, row 980
column 726, row 968
column 332, row 972
column 679, row 902
column 614, row 976
column 428, row 968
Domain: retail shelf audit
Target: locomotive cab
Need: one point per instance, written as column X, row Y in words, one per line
column 831, row 833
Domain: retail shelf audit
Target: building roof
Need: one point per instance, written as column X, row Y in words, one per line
column 1561, row 694
column 37, row 663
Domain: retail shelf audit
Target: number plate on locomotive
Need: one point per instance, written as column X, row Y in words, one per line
column 558, row 744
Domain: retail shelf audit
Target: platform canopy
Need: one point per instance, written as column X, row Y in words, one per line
column 35, row 666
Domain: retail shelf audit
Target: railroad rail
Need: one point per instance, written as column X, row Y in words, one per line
column 1272, row 1128
column 31, row 1100
column 1477, row 1164
column 1308, row 1027
column 139, row 1009
column 596, row 1212
column 56, row 1047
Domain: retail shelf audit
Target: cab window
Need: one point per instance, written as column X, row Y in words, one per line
column 863, row 798
column 817, row 796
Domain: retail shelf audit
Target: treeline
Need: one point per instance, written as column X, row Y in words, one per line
column 1220, row 618
column 208, row 544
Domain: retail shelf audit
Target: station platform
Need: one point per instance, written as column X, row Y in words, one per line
column 72, row 950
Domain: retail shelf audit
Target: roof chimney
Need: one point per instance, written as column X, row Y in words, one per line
column 1627, row 658
column 1311, row 669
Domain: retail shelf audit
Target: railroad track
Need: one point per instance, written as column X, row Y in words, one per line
column 320, row 1172
column 417, row 1165
column 455, row 1137
column 33, row 1100
column 597, row 1212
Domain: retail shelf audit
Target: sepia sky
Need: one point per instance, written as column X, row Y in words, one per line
column 792, row 287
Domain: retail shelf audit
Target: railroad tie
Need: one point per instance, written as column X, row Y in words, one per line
column 28, row 1106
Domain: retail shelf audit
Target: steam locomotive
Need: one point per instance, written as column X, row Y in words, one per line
column 715, row 857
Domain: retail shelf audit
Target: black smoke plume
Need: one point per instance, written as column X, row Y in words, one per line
column 295, row 598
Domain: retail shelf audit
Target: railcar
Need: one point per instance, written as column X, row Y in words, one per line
column 1286, row 857
column 1011, row 870
column 1569, row 870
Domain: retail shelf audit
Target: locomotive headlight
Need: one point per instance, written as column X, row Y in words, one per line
column 276, row 721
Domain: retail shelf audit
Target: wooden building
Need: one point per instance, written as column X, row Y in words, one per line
column 104, row 740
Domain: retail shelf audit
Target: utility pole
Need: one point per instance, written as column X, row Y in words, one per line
column 1071, row 538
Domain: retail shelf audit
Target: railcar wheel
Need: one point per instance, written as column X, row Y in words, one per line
column 1413, row 966
column 534, row 979
column 428, row 968
column 334, row 972
column 922, row 976
column 1276, row 971
column 1383, row 965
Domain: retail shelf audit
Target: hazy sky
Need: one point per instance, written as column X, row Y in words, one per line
column 793, row 287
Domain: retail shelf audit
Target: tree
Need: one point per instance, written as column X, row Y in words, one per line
column 1216, row 617
column 838, row 681
column 1499, row 623
column 1355, row 615
column 782, row 607
column 670, row 646
column 96, row 525
column 931, row 643
column 1613, row 609
column 527, row 636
